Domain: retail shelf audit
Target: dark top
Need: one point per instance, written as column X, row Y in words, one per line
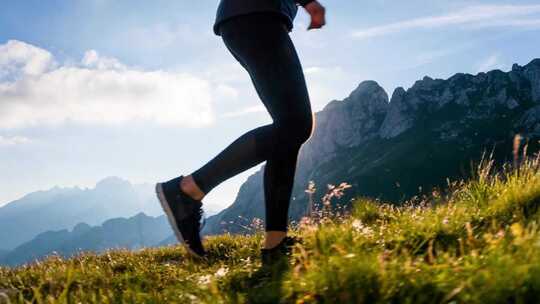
column 287, row 9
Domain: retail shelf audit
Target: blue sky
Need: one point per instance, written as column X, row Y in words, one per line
column 145, row 91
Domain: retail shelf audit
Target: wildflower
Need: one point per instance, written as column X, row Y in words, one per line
column 367, row 231
column 357, row 225
column 205, row 279
column 445, row 221
column 221, row 272
column 516, row 229
column 304, row 221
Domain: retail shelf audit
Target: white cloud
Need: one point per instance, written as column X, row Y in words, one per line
column 226, row 92
column 98, row 91
column 474, row 16
column 13, row 140
column 245, row 111
column 312, row 70
column 18, row 58
column 92, row 59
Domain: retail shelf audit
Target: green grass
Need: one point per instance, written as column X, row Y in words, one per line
column 478, row 242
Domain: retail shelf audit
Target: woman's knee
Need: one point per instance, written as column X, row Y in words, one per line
column 297, row 131
column 306, row 127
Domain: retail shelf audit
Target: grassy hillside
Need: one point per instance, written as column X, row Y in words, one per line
column 478, row 242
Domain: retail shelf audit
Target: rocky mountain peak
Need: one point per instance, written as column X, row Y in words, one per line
column 367, row 94
column 399, row 92
column 396, row 120
column 347, row 122
column 532, row 73
column 534, row 62
column 367, row 91
column 479, row 95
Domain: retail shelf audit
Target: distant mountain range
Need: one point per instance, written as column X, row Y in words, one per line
column 384, row 149
column 131, row 233
column 406, row 146
column 63, row 208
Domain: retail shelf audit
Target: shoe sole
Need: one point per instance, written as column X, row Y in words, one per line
column 172, row 221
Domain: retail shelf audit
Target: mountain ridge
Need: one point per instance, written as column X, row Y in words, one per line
column 62, row 208
column 465, row 114
column 133, row 232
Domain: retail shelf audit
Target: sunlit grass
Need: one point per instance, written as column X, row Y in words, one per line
column 473, row 242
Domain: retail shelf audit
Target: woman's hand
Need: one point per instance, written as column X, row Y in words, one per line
column 316, row 11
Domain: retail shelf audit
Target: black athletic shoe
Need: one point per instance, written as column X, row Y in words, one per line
column 280, row 253
column 275, row 262
column 184, row 214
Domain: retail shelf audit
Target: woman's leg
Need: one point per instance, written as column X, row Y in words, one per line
column 240, row 155
column 261, row 43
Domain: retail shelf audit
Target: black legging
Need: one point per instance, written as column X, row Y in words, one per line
column 261, row 43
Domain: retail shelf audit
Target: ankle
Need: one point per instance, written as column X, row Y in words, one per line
column 189, row 187
column 274, row 238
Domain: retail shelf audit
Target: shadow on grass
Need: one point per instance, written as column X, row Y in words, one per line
column 261, row 286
